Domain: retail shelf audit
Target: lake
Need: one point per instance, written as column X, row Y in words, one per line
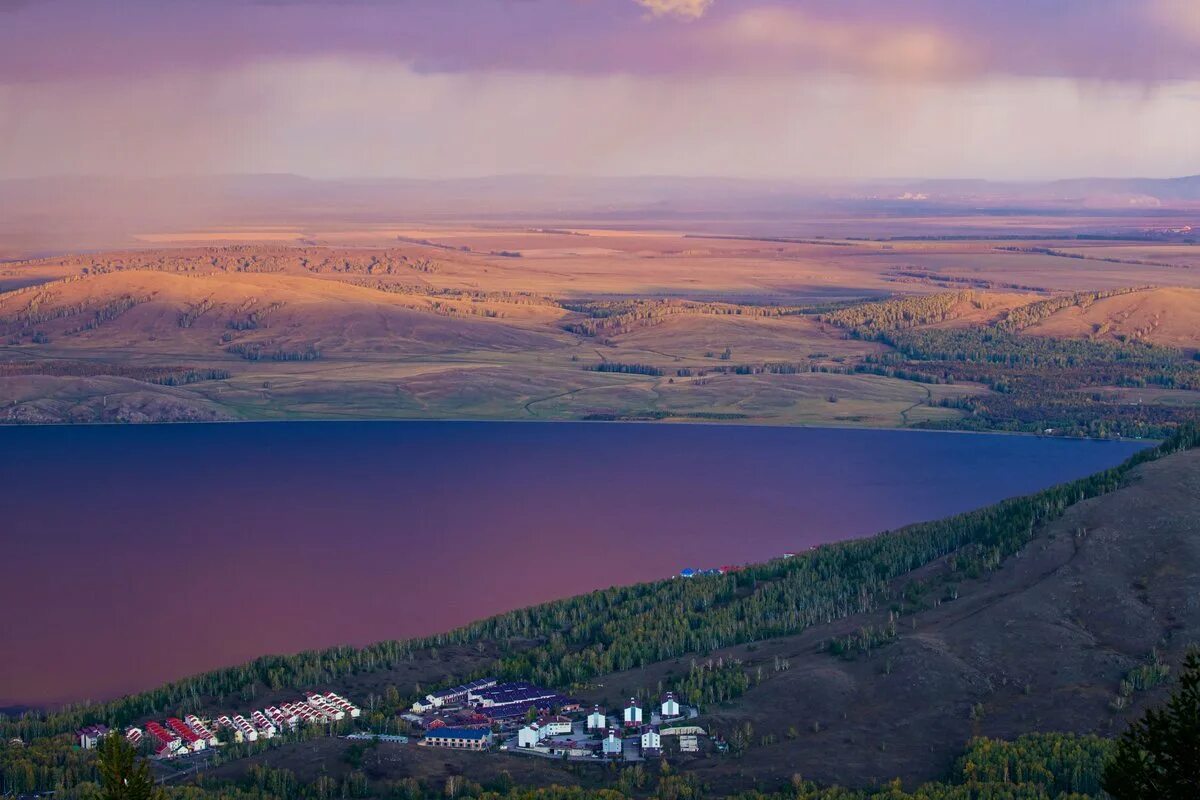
column 133, row 555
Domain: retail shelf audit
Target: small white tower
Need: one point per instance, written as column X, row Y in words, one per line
column 596, row 720
column 633, row 713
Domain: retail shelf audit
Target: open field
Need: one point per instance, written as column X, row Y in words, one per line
column 581, row 322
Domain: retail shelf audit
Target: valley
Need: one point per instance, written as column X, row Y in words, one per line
column 486, row 322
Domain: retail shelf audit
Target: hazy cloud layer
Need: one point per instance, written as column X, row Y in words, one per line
column 810, row 88
column 1142, row 40
column 336, row 117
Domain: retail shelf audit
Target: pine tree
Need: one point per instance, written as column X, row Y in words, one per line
column 1159, row 756
column 123, row 775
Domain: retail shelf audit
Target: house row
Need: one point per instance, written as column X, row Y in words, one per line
column 648, row 738
column 191, row 740
column 165, row 742
column 633, row 714
column 201, row 729
column 191, row 734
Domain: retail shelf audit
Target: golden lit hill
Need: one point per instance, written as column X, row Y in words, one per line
column 1168, row 316
column 163, row 312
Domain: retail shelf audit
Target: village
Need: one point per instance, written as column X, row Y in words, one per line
column 522, row 718
column 175, row 737
column 514, row 717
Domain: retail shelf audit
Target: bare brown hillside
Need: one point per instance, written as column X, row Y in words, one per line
column 171, row 312
column 1168, row 316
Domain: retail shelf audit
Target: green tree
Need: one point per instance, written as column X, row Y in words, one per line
column 1159, row 756
column 124, row 776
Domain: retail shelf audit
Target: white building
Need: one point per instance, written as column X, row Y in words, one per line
column 529, row 736
column 633, row 713
column 596, row 720
column 345, row 705
column 651, row 742
column 324, row 707
column 243, row 726
column 264, row 726
column 670, row 708
column 612, row 746
column 554, row 726
column 90, row 736
column 202, row 730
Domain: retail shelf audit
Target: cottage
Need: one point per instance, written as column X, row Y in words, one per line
column 651, row 742
column 633, row 713
column 459, row 738
column 345, row 705
column 90, row 736
column 191, row 740
column 243, row 726
column 612, row 746
column 264, row 726
column 197, row 725
column 166, row 742
column 134, row 736
column 670, row 707
column 596, row 720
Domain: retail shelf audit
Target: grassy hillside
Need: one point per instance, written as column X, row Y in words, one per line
column 653, row 327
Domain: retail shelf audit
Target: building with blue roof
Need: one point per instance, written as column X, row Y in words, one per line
column 459, row 738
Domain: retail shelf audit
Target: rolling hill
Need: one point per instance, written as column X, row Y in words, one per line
column 1163, row 316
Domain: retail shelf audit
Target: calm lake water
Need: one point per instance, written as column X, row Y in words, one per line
column 134, row 555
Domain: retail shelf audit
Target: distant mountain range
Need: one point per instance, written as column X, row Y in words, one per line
column 102, row 211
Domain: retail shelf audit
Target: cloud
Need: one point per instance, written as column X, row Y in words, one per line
column 1143, row 41
column 688, row 9
column 373, row 117
column 1178, row 18
column 791, row 39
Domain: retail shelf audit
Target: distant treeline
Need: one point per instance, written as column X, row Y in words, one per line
column 252, row 351
column 1041, row 383
column 611, row 318
column 629, row 369
column 656, row 414
column 163, row 376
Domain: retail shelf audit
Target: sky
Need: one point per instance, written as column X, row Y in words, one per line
column 807, row 89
